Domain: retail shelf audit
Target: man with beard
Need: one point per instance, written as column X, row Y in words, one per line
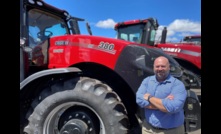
column 162, row 96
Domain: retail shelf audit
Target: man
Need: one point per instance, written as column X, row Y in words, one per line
column 162, row 96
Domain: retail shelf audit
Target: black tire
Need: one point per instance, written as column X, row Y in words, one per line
column 85, row 107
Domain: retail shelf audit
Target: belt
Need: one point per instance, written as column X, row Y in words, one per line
column 158, row 128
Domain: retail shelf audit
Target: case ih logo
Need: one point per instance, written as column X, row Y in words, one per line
column 175, row 50
column 60, row 43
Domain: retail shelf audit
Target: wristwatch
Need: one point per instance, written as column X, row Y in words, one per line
column 148, row 99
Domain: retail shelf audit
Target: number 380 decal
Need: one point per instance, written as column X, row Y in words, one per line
column 107, row 47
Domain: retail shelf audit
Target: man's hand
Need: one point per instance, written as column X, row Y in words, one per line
column 171, row 97
column 150, row 106
column 146, row 96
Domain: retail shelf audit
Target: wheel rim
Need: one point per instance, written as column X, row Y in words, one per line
column 73, row 118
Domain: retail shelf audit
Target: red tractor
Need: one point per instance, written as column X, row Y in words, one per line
column 74, row 83
column 187, row 53
column 194, row 39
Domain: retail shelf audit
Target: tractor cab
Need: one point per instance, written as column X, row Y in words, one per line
column 35, row 33
column 139, row 31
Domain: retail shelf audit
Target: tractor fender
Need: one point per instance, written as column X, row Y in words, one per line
column 47, row 72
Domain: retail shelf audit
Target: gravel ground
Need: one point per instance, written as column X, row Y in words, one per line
column 196, row 132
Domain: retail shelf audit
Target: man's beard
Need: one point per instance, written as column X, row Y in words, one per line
column 162, row 75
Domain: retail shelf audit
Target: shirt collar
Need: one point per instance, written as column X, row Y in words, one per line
column 168, row 79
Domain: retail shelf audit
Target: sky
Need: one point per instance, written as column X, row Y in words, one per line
column 181, row 17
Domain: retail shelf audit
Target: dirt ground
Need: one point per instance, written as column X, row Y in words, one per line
column 196, row 132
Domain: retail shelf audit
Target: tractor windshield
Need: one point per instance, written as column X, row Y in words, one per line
column 43, row 25
column 131, row 33
column 142, row 33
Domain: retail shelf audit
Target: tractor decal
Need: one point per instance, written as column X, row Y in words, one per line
column 191, row 53
column 171, row 49
column 106, row 47
column 178, row 50
column 59, row 43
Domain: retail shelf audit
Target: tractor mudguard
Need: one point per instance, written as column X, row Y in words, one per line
column 47, row 72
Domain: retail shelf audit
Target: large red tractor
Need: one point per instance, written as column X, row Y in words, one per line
column 74, row 83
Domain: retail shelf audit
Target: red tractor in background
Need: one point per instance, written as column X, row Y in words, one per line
column 194, row 39
column 74, row 83
column 187, row 53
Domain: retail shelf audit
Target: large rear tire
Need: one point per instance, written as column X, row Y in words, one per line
column 86, row 106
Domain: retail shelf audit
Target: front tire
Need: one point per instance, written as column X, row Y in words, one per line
column 83, row 106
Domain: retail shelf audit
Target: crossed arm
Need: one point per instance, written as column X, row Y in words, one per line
column 156, row 103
